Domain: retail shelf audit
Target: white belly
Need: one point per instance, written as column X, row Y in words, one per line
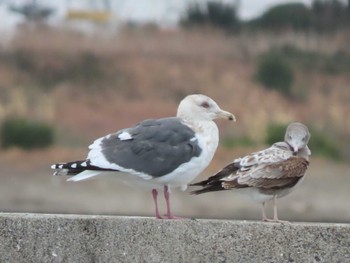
column 254, row 195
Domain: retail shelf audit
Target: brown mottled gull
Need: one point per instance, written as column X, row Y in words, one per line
column 268, row 174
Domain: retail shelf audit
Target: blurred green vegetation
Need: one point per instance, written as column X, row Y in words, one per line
column 275, row 133
column 321, row 16
column 230, row 142
column 291, row 15
column 275, row 72
column 335, row 63
column 320, row 143
column 26, row 134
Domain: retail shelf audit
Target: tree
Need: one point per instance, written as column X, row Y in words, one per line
column 212, row 13
column 293, row 15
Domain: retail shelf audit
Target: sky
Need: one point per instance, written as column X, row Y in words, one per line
column 164, row 12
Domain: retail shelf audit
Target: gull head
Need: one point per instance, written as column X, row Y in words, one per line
column 202, row 108
column 297, row 136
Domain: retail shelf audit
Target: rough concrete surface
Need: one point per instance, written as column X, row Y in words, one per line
column 75, row 238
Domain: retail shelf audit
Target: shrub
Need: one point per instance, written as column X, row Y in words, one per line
column 275, row 133
column 274, row 72
column 320, row 143
column 26, row 134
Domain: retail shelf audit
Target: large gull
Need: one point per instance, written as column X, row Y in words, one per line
column 268, row 174
column 158, row 153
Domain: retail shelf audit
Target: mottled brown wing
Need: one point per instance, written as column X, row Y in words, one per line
column 281, row 174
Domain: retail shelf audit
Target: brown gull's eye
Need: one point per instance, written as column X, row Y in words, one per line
column 205, row 105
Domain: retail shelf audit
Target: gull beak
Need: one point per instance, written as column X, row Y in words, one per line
column 295, row 150
column 226, row 115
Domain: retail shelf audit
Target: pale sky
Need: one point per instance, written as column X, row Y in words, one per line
column 165, row 12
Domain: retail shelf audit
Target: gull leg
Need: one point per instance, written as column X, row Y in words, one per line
column 155, row 195
column 167, row 199
column 275, row 216
column 264, row 217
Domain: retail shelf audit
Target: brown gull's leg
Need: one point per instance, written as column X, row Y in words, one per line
column 155, row 195
column 264, row 217
column 275, row 215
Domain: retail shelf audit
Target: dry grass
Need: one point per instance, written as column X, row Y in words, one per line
column 145, row 75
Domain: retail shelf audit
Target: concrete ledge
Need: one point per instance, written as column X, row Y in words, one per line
column 74, row 238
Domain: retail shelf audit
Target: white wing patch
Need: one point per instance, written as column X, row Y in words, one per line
column 84, row 175
column 124, row 136
column 96, row 144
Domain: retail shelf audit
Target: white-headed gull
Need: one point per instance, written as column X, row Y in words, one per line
column 158, row 154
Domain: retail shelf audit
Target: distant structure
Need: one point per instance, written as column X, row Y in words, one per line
column 32, row 10
column 89, row 10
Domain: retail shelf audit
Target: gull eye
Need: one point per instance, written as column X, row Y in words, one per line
column 289, row 137
column 205, row 105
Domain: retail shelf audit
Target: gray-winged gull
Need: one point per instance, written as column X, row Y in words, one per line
column 267, row 174
column 158, row 153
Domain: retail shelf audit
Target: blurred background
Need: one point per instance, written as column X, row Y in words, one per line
column 72, row 71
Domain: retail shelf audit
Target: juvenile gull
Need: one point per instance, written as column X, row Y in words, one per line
column 158, row 154
column 268, row 174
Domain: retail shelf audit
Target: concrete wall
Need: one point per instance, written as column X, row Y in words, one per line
column 74, row 238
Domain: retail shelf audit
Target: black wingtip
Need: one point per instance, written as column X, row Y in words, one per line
column 209, row 188
column 196, row 192
column 201, row 183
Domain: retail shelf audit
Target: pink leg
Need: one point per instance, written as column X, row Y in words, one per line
column 264, row 217
column 167, row 199
column 155, row 195
column 275, row 216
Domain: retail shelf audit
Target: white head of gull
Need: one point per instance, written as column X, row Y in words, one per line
column 158, row 153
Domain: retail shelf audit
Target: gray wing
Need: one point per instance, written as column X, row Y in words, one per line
column 153, row 147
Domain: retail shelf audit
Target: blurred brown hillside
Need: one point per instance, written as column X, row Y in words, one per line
column 88, row 86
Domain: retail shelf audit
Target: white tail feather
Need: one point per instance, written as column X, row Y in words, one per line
column 84, row 175
column 61, row 172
